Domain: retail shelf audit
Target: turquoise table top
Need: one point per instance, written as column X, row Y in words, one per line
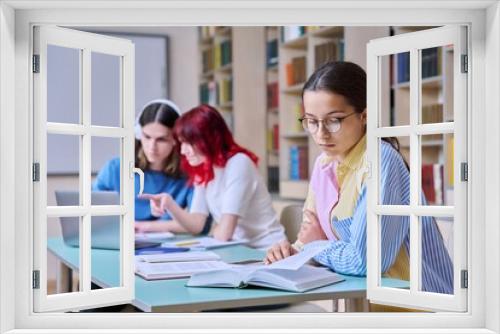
column 173, row 296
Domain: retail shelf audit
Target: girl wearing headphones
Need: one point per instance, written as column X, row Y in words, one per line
column 157, row 154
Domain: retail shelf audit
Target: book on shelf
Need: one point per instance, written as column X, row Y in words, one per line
column 329, row 51
column 273, row 138
column 295, row 71
column 272, row 95
column 432, row 183
column 298, row 162
column 403, row 64
column 272, row 52
column 273, row 178
column 431, row 62
column 289, row 274
column 218, row 92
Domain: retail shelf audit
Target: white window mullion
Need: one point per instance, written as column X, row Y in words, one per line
column 127, row 102
column 85, row 235
column 415, row 252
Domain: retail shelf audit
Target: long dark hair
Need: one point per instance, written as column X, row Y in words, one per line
column 167, row 116
column 346, row 79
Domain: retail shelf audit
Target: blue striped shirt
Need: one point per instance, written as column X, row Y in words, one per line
column 348, row 254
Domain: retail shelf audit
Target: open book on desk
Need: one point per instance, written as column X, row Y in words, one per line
column 291, row 274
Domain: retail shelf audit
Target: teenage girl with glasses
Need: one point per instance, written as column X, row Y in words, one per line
column 334, row 100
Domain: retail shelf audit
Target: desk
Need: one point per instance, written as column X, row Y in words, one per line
column 173, row 296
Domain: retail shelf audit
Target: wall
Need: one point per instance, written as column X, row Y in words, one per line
column 183, row 83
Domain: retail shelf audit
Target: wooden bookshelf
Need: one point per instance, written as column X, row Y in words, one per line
column 216, row 77
column 317, row 45
column 437, row 107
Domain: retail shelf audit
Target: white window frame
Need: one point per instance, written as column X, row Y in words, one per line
column 86, row 43
column 376, row 50
column 16, row 19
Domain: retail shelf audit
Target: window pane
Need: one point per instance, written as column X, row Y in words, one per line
column 436, row 87
column 106, row 97
column 395, row 248
column 400, row 78
column 437, row 169
column 63, row 84
column 437, row 254
column 63, row 233
column 106, row 168
column 63, row 170
column 387, row 90
column 393, row 167
column 106, row 248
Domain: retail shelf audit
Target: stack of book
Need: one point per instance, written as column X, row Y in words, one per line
column 295, row 71
column 299, row 162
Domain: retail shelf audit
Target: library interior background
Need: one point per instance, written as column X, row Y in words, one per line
column 254, row 77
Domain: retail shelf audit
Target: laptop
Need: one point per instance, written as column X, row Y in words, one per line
column 105, row 230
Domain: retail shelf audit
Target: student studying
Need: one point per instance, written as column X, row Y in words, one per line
column 157, row 154
column 227, row 183
column 334, row 100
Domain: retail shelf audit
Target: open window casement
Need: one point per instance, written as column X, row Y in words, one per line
column 82, row 48
column 429, row 83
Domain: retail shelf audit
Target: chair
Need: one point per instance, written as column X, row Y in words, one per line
column 291, row 219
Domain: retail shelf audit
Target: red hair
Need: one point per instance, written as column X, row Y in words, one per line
column 204, row 128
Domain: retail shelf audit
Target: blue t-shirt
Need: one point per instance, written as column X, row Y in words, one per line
column 108, row 179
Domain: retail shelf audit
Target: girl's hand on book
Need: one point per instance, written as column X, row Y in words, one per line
column 154, row 226
column 279, row 251
column 311, row 229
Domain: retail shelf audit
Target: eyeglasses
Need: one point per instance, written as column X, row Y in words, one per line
column 331, row 124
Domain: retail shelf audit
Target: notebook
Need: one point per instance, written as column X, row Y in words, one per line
column 290, row 274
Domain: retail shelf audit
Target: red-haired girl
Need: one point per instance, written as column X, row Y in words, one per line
column 227, row 183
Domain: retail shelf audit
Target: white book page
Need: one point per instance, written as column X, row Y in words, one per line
column 172, row 268
column 296, row 261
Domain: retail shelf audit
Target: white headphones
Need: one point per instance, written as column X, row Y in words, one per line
column 137, row 127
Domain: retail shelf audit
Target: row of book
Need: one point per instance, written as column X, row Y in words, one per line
column 217, row 56
column 217, row 92
column 299, row 162
column 272, row 95
column 330, row 51
column 296, row 71
column 272, row 53
column 273, row 138
column 430, row 62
